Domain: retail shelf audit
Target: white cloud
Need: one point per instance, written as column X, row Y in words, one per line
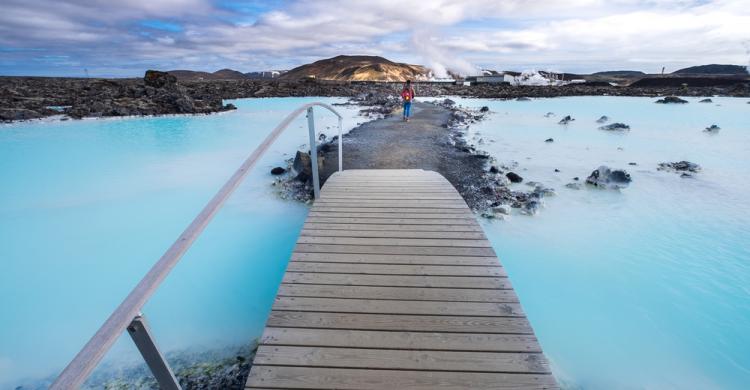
column 572, row 35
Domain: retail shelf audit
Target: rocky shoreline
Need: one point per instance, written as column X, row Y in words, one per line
column 484, row 184
column 220, row 368
column 158, row 93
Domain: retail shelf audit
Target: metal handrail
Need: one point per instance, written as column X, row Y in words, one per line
column 76, row 372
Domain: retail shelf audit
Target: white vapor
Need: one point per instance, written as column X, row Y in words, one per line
column 439, row 59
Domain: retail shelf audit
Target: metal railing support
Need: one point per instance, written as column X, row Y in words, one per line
column 341, row 146
column 313, row 152
column 141, row 334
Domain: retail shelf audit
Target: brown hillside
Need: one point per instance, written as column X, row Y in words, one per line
column 358, row 68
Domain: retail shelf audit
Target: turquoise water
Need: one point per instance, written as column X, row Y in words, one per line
column 86, row 207
column 646, row 288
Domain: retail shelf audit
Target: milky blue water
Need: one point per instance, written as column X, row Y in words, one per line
column 86, row 207
column 645, row 288
column 648, row 287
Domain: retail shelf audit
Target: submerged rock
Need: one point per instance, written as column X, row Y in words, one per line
column 549, row 114
column 522, row 99
column 602, row 119
column 531, row 207
column 679, row 166
column 615, row 127
column 604, row 177
column 566, row 120
column 706, row 101
column 549, row 140
column 671, row 100
column 573, row 186
column 514, row 177
column 712, row 129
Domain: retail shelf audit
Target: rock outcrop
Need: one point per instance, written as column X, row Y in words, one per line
column 605, row 177
column 671, row 100
column 159, row 94
column 615, row 127
column 684, row 168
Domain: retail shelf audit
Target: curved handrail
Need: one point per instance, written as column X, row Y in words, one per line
column 76, row 372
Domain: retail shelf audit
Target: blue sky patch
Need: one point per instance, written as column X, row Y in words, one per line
column 161, row 25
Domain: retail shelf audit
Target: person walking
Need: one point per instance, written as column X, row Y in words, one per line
column 407, row 95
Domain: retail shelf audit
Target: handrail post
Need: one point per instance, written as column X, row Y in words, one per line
column 141, row 335
column 341, row 146
column 313, row 152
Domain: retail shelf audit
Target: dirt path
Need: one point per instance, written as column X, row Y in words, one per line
column 423, row 142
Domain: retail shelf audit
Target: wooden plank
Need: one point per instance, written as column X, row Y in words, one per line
column 409, row 210
column 466, row 261
column 278, row 355
column 394, row 221
column 389, row 322
column 408, row 293
column 377, row 306
column 376, row 190
column 338, row 378
column 394, row 241
column 391, row 227
column 389, row 196
column 396, row 250
column 391, row 234
column 371, row 214
column 390, row 269
column 439, row 341
column 389, row 204
column 442, row 203
column 397, row 280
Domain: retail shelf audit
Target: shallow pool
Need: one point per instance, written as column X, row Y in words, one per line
column 643, row 288
column 86, row 207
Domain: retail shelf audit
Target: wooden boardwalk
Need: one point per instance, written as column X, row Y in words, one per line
column 393, row 285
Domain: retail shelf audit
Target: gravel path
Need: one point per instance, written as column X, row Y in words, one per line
column 423, row 142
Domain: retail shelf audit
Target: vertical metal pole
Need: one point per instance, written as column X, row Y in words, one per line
column 313, row 152
column 141, row 335
column 341, row 147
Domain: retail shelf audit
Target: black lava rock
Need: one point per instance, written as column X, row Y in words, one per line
column 514, row 177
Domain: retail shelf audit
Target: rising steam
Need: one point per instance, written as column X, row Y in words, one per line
column 437, row 58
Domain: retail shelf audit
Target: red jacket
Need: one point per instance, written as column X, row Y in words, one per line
column 407, row 94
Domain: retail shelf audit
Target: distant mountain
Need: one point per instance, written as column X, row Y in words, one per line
column 229, row 74
column 620, row 73
column 192, row 75
column 714, row 69
column 358, row 68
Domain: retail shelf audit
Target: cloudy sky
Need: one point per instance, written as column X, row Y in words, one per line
column 126, row 37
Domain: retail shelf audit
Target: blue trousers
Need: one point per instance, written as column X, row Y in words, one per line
column 407, row 109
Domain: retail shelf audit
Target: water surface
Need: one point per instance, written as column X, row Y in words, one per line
column 86, row 207
column 648, row 287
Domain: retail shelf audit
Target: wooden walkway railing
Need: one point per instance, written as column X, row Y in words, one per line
column 393, row 285
column 128, row 316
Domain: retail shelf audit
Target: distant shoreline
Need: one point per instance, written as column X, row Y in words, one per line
column 23, row 98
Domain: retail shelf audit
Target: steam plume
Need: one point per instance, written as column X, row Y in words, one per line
column 437, row 59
